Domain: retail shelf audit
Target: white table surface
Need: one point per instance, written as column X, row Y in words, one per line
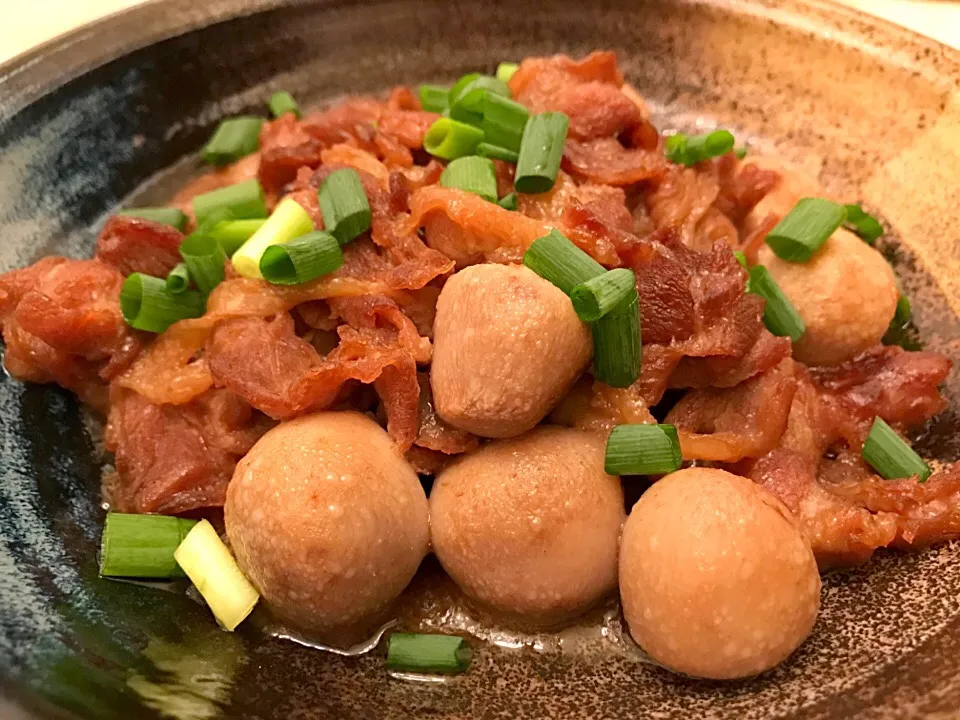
column 26, row 24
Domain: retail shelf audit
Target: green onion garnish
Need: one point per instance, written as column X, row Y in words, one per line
column 449, row 139
column 178, row 280
column 540, row 152
column 302, row 259
column 643, row 450
column 216, row 575
column 505, row 71
column 503, row 122
column 421, row 653
column 142, row 546
column 244, row 201
column 495, row 152
column 204, row 259
column 692, row 149
column 740, row 152
column 594, row 298
column 617, row 351
column 902, row 315
column 863, row 224
column 553, row 257
column 146, row 303
column 282, row 102
column 805, row 229
column 232, row 234
column 890, row 456
column 434, row 98
column 346, row 211
column 468, row 97
column 779, row 314
column 233, row 139
column 741, row 258
column 472, row 174
column 508, row 202
column 167, row 216
column 288, row 221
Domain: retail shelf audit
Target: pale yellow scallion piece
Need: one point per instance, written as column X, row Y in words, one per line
column 288, row 221
column 216, row 575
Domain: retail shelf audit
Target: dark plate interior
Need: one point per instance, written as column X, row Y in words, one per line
column 870, row 108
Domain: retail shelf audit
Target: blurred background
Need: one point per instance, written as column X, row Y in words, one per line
column 24, row 25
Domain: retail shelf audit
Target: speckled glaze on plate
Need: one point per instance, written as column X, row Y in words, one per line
column 90, row 119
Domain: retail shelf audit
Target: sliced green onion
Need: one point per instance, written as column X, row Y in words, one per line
column 282, row 102
column 204, row 259
column 146, row 303
column 503, row 122
column 178, row 280
column 553, row 257
column 741, row 258
column 692, row 149
column 508, row 202
column 902, row 315
column 472, row 174
column 506, row 70
column 643, row 450
column 435, row 98
column 779, row 314
column 891, row 456
column 421, row 653
column 244, row 201
column 594, row 298
column 617, row 351
column 497, row 153
column 468, row 100
column 288, row 221
column 232, row 234
column 142, row 546
column 805, row 229
column 449, row 139
column 865, row 225
column 540, row 152
column 167, row 216
column 233, row 139
column 346, row 211
column 213, row 571
column 740, row 152
column 302, row 259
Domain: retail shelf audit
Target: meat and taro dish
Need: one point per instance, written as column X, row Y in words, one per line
column 465, row 321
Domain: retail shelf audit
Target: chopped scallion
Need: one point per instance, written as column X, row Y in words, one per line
column 902, row 315
column 142, row 546
column 472, row 174
column 422, row 653
column 204, row 259
column 495, row 152
column 232, row 234
column 506, row 70
column 779, row 314
column 740, row 152
column 468, row 99
column 865, row 225
column 233, row 139
column 146, row 304
column 244, row 201
column 617, row 351
column 508, row 202
column 179, row 279
column 805, row 229
column 553, row 257
column 282, row 102
column 891, row 456
column 741, row 258
column 167, row 216
column 213, row 571
column 434, row 98
column 692, row 149
column 503, row 122
column 594, row 298
column 288, row 221
column 302, row 259
column 541, row 151
column 346, row 211
column 449, row 139
column 643, row 450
